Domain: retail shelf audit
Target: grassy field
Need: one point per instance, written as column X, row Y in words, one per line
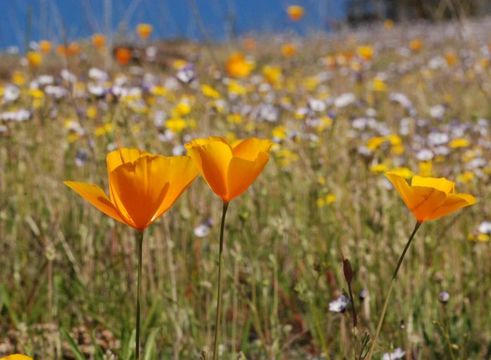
column 341, row 110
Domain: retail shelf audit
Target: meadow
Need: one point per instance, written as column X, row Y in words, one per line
column 341, row 110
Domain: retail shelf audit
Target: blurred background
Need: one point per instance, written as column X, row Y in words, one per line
column 22, row 21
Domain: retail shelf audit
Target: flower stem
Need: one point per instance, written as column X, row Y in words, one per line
column 219, row 286
column 139, row 246
column 391, row 287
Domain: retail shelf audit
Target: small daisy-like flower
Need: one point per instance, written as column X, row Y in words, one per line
column 443, row 297
column 339, row 305
column 203, row 229
column 395, row 355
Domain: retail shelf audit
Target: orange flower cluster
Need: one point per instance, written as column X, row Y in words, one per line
column 143, row 186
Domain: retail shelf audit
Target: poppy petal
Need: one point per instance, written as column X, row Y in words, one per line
column 401, row 185
column 139, row 188
column 425, row 201
column 213, row 159
column 249, row 149
column 452, row 203
column 94, row 195
column 121, row 156
column 242, row 173
column 180, row 173
column 440, row 184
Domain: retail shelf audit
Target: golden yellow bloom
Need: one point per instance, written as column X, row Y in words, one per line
column 142, row 186
column 98, row 41
column 104, row 130
column 16, row 357
column 279, row 132
column 144, row 31
column 465, row 177
column 272, row 74
column 18, row 78
column 403, row 172
column 234, row 88
column 375, row 142
column 429, row 198
column 365, row 52
column 182, row 108
column 209, row 91
column 425, row 168
column 34, row 59
column 459, row 143
column 295, row 12
column 379, row 168
column 176, row 124
column 229, row 169
column 234, row 118
column 326, row 200
column 238, row 66
column 379, row 85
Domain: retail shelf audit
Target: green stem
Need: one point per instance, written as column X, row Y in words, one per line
column 391, row 287
column 219, row 286
column 139, row 245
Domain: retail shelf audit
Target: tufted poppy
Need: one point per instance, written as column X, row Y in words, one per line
column 295, row 12
column 229, row 169
column 142, row 186
column 429, row 198
column 144, row 31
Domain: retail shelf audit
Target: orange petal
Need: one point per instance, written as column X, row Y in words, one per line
column 16, row 357
column 425, row 201
column 97, row 198
column 402, row 187
column 242, row 173
column 121, row 156
column 179, row 174
column 138, row 189
column 452, row 203
column 212, row 159
column 440, row 184
column 249, row 149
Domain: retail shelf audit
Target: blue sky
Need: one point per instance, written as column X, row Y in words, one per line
column 73, row 19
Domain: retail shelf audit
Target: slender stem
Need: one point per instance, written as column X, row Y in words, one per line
column 139, row 246
column 391, row 287
column 353, row 308
column 219, row 286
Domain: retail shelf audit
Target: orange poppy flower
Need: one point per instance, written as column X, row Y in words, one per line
column 295, row 12
column 16, row 357
column 229, row 169
column 45, row 46
column 288, row 50
column 142, row 186
column 416, row 45
column 123, row 55
column 238, row 66
column 429, row 198
column 98, row 41
column 144, row 31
